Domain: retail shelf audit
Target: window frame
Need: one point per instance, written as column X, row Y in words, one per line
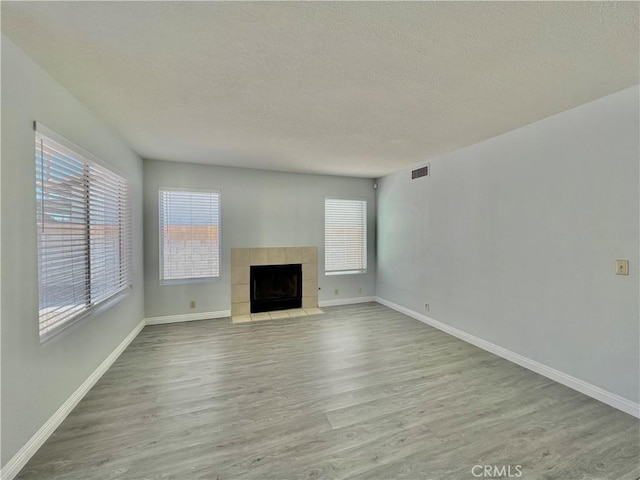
column 125, row 233
column 365, row 237
column 187, row 280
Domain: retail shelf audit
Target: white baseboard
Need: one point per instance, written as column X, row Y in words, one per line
column 20, row 459
column 581, row 386
column 345, row 301
column 187, row 317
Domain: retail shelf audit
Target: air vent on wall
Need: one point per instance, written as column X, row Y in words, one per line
column 420, row 172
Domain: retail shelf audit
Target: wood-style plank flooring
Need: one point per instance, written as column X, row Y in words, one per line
column 361, row 392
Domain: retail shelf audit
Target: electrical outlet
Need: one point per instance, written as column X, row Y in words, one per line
column 335, row 292
column 622, row 267
column 192, row 304
column 426, row 307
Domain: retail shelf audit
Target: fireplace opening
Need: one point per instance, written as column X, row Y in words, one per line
column 275, row 287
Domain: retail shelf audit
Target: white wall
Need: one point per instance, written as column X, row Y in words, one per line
column 37, row 379
column 514, row 240
column 259, row 209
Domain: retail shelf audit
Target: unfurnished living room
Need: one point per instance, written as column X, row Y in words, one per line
column 320, row 240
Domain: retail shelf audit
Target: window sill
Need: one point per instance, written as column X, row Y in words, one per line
column 346, row 272
column 88, row 313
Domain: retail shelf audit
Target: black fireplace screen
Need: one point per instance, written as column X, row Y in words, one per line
column 276, row 287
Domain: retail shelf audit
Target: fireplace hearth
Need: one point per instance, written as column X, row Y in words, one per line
column 275, row 287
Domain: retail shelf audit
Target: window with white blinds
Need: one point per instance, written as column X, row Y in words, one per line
column 84, row 232
column 189, row 235
column 345, row 236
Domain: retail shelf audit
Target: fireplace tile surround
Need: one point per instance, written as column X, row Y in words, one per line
column 243, row 258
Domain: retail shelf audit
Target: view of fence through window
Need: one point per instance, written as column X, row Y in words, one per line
column 190, row 234
column 83, row 233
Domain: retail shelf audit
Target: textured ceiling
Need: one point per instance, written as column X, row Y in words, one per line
column 359, row 89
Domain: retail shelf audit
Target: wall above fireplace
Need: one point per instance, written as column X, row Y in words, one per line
column 243, row 258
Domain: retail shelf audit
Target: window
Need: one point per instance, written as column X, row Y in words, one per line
column 84, row 232
column 345, row 236
column 189, row 235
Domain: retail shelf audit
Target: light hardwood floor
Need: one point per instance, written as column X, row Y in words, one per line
column 361, row 392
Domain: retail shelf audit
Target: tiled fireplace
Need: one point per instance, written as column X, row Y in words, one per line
column 243, row 258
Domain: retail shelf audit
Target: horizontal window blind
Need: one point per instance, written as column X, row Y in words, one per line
column 84, row 233
column 189, row 234
column 345, row 236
